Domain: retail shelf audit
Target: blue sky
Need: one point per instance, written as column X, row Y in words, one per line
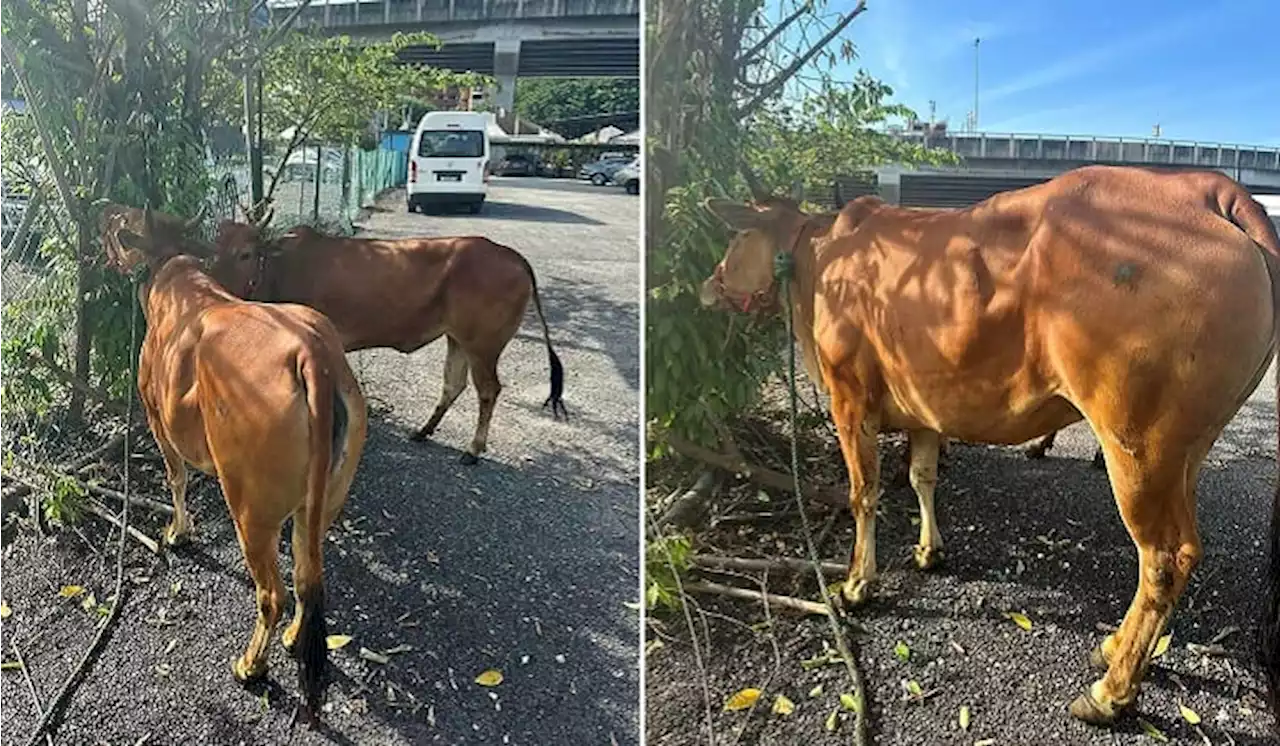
column 1204, row 70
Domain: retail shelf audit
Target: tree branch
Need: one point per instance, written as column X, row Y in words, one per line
column 786, row 602
column 775, row 85
column 747, row 57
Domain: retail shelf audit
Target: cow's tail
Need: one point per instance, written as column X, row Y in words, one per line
column 1246, row 213
column 557, row 370
column 330, row 421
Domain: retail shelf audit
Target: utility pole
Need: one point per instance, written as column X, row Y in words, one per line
column 976, row 42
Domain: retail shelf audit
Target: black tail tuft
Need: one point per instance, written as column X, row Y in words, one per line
column 557, row 386
column 311, row 649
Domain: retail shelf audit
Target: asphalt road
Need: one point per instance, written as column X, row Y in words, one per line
column 524, row 563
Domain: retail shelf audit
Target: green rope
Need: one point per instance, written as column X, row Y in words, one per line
column 783, row 271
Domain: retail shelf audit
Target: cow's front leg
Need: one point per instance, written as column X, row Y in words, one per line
column 859, row 432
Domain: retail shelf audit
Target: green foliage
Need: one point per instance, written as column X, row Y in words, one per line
column 65, row 502
column 114, row 112
column 660, row 556
column 551, row 101
column 832, row 134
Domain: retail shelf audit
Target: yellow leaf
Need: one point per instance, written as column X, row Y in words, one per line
column 1162, row 645
column 333, row 642
column 964, row 717
column 88, row 602
column 850, row 702
column 70, row 591
column 1188, row 714
column 783, row 706
column 10, row 666
column 816, row 691
column 832, row 720
column 491, row 677
column 1022, row 620
column 5, row 611
column 742, row 700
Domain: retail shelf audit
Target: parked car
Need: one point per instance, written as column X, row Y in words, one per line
column 629, row 177
column 518, row 164
column 601, row 171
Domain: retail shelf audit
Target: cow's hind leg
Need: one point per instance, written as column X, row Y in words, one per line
column 484, row 374
column 455, row 382
column 923, row 472
column 1156, row 497
column 258, row 542
column 178, row 529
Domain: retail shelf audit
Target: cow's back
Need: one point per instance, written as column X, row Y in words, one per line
column 955, row 311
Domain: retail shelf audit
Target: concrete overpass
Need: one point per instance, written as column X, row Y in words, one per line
column 992, row 163
column 503, row 38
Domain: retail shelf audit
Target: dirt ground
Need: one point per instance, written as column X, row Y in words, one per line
column 1042, row 538
column 525, row 563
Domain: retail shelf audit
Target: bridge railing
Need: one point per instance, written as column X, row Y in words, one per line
column 1089, row 148
column 392, row 12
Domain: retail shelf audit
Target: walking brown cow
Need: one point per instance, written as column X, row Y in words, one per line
column 401, row 294
column 259, row 395
column 1143, row 301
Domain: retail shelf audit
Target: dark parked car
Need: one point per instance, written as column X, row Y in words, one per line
column 518, row 164
column 601, row 171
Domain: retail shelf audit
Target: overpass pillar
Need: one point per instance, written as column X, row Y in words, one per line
column 890, row 181
column 506, row 62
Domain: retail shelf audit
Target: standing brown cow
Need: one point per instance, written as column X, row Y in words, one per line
column 259, row 395
column 401, row 294
column 1143, row 301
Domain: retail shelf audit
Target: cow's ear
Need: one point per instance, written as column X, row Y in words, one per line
column 736, row 215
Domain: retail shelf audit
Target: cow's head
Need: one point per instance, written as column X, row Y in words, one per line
column 240, row 253
column 743, row 280
column 134, row 237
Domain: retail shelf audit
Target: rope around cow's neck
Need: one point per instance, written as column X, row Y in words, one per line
column 783, row 271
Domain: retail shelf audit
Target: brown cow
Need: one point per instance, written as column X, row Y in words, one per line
column 401, row 294
column 261, row 396
column 1143, row 301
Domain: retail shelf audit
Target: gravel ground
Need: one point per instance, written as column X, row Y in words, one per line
column 523, row 563
column 1039, row 537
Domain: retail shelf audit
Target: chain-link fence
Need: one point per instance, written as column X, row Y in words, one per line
column 317, row 184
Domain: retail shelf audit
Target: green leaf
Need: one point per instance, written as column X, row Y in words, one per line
column 815, row 691
column 850, row 702
column 964, row 717
column 1152, row 731
column 1188, row 714
column 833, row 720
column 902, row 652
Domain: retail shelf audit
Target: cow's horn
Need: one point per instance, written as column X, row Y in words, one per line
column 198, row 219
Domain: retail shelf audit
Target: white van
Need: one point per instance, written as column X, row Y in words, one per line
column 449, row 160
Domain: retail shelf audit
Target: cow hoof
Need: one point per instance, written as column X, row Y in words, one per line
column 246, row 674
column 927, row 558
column 1099, row 461
column 1098, row 659
column 856, row 592
column 173, row 538
column 1034, row 453
column 289, row 637
column 1087, row 709
column 420, row 435
column 469, row 459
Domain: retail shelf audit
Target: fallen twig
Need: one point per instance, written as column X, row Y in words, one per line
column 31, row 687
column 688, row 506
column 99, row 510
column 777, row 564
column 142, row 502
column 1212, row 650
column 786, row 602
